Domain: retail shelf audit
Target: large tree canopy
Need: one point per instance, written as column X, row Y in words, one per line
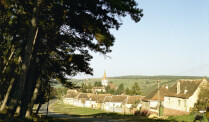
column 52, row 39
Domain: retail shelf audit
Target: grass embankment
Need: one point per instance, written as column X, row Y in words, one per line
column 59, row 107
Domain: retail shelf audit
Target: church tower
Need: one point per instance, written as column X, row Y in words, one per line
column 104, row 80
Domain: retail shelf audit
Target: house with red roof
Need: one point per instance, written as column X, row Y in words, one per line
column 154, row 99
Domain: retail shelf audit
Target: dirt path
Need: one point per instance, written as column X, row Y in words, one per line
column 52, row 114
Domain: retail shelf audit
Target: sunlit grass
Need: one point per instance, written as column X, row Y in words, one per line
column 73, row 110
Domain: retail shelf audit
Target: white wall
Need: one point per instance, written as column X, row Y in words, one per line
column 153, row 103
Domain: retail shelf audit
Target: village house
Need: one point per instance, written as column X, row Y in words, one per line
column 81, row 98
column 152, row 100
column 112, row 86
column 114, row 103
column 95, row 101
column 182, row 96
column 132, row 104
column 70, row 96
column 98, row 90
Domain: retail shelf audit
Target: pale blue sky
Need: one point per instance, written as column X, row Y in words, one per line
column 171, row 39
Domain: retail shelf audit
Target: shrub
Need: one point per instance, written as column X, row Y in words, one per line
column 142, row 112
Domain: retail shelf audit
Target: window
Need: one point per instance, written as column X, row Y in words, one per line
column 185, row 103
column 169, row 100
column 179, row 102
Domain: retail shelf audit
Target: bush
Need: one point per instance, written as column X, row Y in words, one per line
column 143, row 112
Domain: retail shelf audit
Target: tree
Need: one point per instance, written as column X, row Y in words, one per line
column 128, row 92
column 135, row 90
column 97, row 84
column 203, row 97
column 120, row 89
column 53, row 40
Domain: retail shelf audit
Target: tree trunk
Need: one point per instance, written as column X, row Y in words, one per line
column 39, row 106
column 7, row 94
column 30, row 86
column 8, row 90
column 7, row 61
column 35, row 93
column 16, row 97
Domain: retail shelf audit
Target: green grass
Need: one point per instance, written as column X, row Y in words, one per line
column 73, row 110
column 187, row 118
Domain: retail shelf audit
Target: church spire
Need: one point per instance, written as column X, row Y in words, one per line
column 104, row 75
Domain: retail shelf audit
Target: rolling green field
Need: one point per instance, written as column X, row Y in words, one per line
column 147, row 83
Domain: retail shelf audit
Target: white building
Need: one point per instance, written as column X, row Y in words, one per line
column 104, row 80
column 182, row 96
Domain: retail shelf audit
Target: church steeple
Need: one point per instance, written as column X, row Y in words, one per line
column 104, row 77
column 104, row 80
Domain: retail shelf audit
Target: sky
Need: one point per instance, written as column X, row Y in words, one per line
column 172, row 38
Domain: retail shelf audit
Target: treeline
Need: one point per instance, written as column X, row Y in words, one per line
column 134, row 90
column 158, row 77
column 42, row 40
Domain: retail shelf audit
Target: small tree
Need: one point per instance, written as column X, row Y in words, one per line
column 84, row 87
column 120, row 89
column 136, row 90
column 97, row 84
column 128, row 92
column 89, row 86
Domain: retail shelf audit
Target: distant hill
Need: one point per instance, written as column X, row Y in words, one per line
column 147, row 83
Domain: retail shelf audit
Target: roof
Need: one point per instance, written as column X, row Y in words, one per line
column 98, row 88
column 154, row 94
column 83, row 95
column 107, row 98
column 112, row 86
column 99, row 98
column 118, row 98
column 190, row 85
column 71, row 93
column 104, row 77
column 133, row 99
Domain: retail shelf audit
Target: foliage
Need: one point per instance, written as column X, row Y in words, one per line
column 135, row 90
column 120, row 89
column 203, row 97
column 142, row 112
column 108, row 90
column 61, row 92
column 64, row 32
column 97, row 84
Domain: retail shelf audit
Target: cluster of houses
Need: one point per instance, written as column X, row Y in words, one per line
column 111, row 103
column 177, row 99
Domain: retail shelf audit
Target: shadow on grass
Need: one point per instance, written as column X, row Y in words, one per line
column 103, row 117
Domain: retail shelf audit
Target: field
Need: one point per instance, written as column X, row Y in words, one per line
column 147, row 83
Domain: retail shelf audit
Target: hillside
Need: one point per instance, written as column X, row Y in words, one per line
column 147, row 83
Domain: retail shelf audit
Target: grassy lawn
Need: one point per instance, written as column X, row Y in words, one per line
column 187, row 118
column 73, row 110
